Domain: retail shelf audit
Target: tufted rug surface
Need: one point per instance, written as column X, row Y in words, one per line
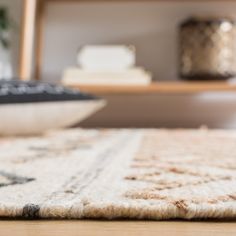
column 135, row 174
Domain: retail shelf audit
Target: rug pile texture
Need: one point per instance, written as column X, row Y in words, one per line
column 111, row 174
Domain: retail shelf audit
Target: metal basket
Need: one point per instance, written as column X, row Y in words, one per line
column 207, row 48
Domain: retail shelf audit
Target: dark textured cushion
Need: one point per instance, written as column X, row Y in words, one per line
column 16, row 91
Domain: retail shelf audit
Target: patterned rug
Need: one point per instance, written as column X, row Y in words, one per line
column 111, row 174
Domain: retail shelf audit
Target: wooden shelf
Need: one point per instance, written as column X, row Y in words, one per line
column 161, row 87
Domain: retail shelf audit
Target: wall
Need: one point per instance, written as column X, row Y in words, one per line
column 214, row 110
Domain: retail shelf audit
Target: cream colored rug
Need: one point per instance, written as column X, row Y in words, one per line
column 136, row 174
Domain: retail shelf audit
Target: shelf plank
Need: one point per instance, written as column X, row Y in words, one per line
column 160, row 87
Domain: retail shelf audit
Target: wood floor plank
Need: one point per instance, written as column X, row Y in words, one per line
column 116, row 228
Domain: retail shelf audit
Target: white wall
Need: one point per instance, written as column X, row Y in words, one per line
column 15, row 11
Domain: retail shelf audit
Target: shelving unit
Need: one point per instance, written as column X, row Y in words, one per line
column 161, row 87
column 155, row 88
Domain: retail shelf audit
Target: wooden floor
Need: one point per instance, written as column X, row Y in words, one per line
column 116, row 228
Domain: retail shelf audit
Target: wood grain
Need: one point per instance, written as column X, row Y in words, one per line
column 39, row 24
column 116, row 228
column 160, row 87
column 27, row 39
column 67, row 1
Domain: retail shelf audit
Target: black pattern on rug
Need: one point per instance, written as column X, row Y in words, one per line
column 7, row 179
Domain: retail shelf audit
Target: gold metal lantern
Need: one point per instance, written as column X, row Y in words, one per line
column 207, row 48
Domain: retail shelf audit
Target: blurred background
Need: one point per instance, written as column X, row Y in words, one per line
column 152, row 27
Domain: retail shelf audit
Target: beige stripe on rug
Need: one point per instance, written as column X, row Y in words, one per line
column 111, row 174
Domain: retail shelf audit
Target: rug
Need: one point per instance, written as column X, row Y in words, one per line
column 119, row 174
